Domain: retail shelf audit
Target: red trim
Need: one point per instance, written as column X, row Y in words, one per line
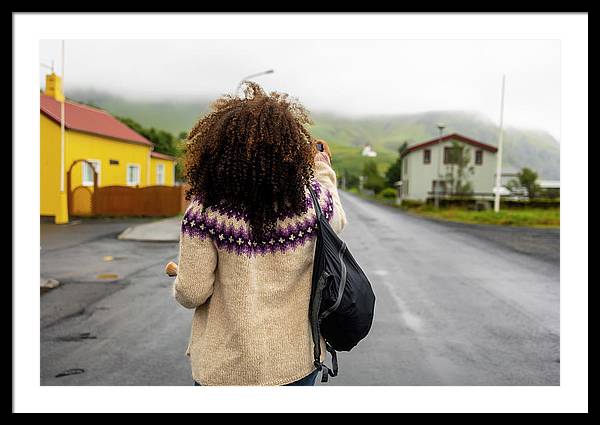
column 453, row 136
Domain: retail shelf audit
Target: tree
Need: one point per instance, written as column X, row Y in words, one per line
column 394, row 173
column 373, row 180
column 459, row 168
column 349, row 179
column 527, row 178
column 164, row 142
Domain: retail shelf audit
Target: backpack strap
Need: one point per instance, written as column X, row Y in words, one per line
column 326, row 372
column 314, row 320
column 316, row 301
column 315, row 202
column 334, row 362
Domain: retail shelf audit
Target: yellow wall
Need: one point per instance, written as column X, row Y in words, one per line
column 49, row 166
column 92, row 147
column 169, row 171
column 80, row 145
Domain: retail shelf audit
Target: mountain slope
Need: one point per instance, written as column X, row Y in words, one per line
column 535, row 149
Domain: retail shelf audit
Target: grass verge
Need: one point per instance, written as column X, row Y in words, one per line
column 518, row 217
column 526, row 217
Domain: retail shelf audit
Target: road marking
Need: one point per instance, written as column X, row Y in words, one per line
column 411, row 320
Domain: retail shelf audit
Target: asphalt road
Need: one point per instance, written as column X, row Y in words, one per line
column 456, row 305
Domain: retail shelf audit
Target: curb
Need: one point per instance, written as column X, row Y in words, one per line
column 156, row 231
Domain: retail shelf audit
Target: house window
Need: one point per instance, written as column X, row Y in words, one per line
column 133, row 175
column 478, row 157
column 427, row 156
column 87, row 173
column 160, row 174
column 451, row 155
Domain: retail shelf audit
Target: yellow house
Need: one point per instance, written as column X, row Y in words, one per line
column 119, row 155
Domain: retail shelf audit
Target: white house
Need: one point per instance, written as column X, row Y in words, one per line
column 432, row 166
column 368, row 151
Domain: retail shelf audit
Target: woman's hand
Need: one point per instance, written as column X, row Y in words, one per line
column 171, row 269
column 326, row 149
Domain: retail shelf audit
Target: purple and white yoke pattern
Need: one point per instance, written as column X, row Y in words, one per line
column 206, row 224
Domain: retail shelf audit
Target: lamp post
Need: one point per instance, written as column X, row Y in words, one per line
column 440, row 127
column 237, row 89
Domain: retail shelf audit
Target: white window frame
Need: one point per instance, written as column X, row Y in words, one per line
column 139, row 174
column 97, row 166
column 161, row 180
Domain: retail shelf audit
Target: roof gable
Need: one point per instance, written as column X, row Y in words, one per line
column 90, row 120
column 452, row 136
column 159, row 155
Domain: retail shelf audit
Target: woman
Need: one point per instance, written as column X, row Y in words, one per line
column 247, row 240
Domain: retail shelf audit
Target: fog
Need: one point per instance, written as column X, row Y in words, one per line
column 348, row 77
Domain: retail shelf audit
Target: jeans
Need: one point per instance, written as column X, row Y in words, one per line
column 308, row 380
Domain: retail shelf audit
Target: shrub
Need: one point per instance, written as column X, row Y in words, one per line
column 388, row 193
column 408, row 203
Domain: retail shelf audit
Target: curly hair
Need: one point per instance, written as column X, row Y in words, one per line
column 252, row 154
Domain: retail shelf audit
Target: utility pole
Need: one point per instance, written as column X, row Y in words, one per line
column 62, row 215
column 499, row 153
column 437, row 184
column 62, row 120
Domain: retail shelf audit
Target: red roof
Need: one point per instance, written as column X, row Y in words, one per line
column 90, row 120
column 453, row 136
column 162, row 156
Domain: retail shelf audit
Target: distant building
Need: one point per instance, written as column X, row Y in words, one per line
column 368, row 151
column 420, row 162
column 549, row 187
column 549, row 184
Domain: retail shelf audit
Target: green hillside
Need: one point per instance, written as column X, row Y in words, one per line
column 347, row 136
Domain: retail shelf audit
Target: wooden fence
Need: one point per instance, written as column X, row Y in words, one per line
column 81, row 202
column 151, row 201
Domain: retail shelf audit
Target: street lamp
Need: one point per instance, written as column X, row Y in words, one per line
column 440, row 127
column 237, row 89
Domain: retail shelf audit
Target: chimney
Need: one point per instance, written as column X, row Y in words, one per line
column 54, row 87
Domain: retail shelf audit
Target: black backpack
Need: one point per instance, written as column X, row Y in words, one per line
column 342, row 301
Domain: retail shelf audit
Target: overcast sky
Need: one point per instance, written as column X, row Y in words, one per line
column 354, row 77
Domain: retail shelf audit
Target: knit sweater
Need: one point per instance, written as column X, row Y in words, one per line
column 251, row 298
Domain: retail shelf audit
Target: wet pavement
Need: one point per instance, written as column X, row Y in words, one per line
column 455, row 305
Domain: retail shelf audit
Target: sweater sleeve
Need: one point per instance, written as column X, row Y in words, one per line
column 326, row 177
column 196, row 270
